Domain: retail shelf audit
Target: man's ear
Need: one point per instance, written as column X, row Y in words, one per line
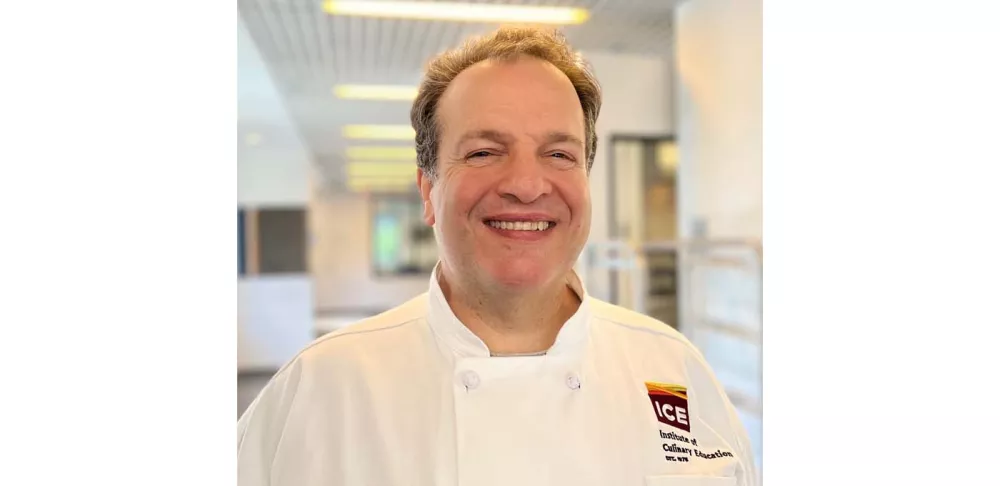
column 425, row 185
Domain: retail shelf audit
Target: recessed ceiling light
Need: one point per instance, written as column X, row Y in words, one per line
column 461, row 12
column 379, row 132
column 375, row 92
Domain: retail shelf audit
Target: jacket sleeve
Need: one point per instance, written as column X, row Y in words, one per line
column 723, row 418
column 259, row 431
column 748, row 474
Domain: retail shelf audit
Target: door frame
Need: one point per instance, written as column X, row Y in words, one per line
column 647, row 139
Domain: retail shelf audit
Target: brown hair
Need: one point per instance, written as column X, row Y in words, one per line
column 506, row 43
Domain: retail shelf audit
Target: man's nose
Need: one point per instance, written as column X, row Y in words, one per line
column 524, row 179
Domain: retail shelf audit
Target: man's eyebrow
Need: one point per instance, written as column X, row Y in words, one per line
column 491, row 135
column 559, row 137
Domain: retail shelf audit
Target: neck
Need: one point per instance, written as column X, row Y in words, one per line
column 511, row 323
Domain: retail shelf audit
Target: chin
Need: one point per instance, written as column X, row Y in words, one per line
column 521, row 274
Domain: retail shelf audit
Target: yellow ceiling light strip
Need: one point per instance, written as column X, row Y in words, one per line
column 381, row 153
column 382, row 169
column 459, row 12
column 375, row 92
column 380, row 184
column 379, row 132
column 381, row 176
column 380, row 181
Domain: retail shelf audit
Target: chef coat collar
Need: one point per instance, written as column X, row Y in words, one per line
column 464, row 343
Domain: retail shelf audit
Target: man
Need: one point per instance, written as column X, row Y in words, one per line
column 505, row 372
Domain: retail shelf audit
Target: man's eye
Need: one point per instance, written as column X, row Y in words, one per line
column 479, row 154
column 562, row 155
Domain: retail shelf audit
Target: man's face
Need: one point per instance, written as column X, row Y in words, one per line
column 511, row 201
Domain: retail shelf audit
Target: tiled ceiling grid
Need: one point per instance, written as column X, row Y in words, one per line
column 309, row 51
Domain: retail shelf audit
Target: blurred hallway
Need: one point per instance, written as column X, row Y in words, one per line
column 330, row 222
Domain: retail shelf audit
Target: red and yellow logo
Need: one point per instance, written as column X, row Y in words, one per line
column 670, row 403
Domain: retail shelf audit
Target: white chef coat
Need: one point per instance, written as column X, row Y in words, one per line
column 412, row 397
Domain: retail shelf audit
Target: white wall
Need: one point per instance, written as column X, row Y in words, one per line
column 274, row 314
column 272, row 176
column 637, row 101
column 718, row 94
column 340, row 258
column 275, row 317
column 274, row 171
column 719, row 82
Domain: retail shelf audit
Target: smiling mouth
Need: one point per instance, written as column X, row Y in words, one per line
column 521, row 225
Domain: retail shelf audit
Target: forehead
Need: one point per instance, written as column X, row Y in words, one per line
column 525, row 94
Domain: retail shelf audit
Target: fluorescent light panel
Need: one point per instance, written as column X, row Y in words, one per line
column 407, row 170
column 381, row 185
column 379, row 153
column 381, row 176
column 375, row 92
column 380, row 182
column 460, row 12
column 379, row 132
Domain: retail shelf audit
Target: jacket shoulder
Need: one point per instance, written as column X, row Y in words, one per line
column 637, row 323
column 336, row 348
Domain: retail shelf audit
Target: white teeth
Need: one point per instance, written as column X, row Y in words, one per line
column 521, row 225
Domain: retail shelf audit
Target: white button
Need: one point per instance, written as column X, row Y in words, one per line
column 573, row 382
column 470, row 379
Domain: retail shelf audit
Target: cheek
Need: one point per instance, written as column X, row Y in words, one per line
column 576, row 193
column 463, row 195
